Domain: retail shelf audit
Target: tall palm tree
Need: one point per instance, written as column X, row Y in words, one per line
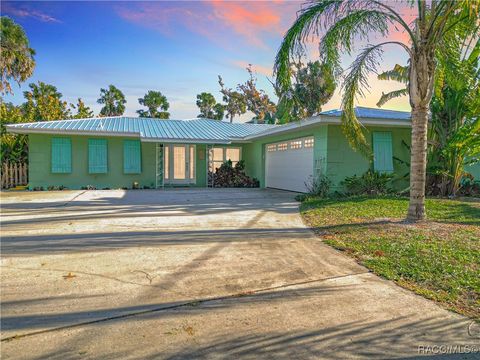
column 344, row 21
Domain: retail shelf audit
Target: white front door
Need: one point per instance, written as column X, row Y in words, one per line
column 289, row 164
column 179, row 164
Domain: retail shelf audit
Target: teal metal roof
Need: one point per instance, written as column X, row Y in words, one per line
column 197, row 130
column 373, row 113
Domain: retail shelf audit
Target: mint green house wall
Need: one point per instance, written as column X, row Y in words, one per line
column 40, row 173
column 254, row 153
column 40, row 164
column 333, row 156
column 342, row 161
column 474, row 170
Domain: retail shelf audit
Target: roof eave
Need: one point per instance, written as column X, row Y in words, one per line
column 21, row 130
column 326, row 120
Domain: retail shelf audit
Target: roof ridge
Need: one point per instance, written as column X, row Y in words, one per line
column 377, row 108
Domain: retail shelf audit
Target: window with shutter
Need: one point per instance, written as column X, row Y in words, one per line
column 132, row 159
column 97, row 156
column 61, row 155
column 382, row 152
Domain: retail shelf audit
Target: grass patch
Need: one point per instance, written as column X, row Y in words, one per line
column 438, row 258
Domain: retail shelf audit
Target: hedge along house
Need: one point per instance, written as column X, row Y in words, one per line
column 116, row 152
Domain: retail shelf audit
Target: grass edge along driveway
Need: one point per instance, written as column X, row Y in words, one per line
column 438, row 259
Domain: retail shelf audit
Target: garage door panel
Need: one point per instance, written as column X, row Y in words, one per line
column 289, row 169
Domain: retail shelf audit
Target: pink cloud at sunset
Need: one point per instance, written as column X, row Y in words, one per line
column 215, row 20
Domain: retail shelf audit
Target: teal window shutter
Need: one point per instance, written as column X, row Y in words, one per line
column 132, row 157
column 61, row 155
column 382, row 152
column 97, row 156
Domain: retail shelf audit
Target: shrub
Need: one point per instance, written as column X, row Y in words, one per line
column 469, row 186
column 370, row 183
column 319, row 186
column 228, row 175
column 301, row 197
column 55, row 188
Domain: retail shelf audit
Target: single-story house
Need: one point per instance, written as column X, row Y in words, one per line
column 114, row 152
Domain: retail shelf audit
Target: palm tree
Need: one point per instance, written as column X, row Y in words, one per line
column 113, row 102
column 345, row 20
column 156, row 103
column 17, row 62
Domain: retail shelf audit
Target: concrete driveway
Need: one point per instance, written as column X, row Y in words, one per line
column 208, row 273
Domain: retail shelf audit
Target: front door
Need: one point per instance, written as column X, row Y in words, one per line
column 179, row 164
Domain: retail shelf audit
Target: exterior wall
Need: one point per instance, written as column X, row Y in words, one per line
column 333, row 156
column 40, row 165
column 474, row 170
column 254, row 153
column 343, row 161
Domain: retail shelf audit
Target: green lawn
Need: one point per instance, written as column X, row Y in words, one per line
column 439, row 258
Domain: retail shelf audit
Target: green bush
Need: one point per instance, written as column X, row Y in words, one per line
column 319, row 186
column 230, row 176
column 370, row 183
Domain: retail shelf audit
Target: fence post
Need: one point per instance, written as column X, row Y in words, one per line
column 15, row 173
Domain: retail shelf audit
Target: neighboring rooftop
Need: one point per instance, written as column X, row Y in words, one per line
column 373, row 113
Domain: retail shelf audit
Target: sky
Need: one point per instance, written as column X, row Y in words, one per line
column 176, row 47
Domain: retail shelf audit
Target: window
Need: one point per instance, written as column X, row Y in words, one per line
column 309, row 142
column 296, row 144
column 166, row 163
column 218, row 155
column 282, row 146
column 382, row 152
column 179, row 161
column 61, row 155
column 97, row 156
column 132, row 159
column 233, row 154
column 192, row 162
column 271, row 147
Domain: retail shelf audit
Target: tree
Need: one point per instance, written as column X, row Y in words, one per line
column 344, row 21
column 113, row 102
column 17, row 62
column 209, row 108
column 14, row 147
column 235, row 103
column 314, row 84
column 44, row 103
column 454, row 139
column 257, row 100
column 157, row 105
column 83, row 111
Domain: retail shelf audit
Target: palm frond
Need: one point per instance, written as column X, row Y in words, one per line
column 386, row 97
column 358, row 24
column 398, row 73
column 308, row 20
column 342, row 21
column 355, row 84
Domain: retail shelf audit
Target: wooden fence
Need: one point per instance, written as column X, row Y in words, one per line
column 14, row 175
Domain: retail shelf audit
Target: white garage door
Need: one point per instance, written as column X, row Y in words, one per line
column 289, row 164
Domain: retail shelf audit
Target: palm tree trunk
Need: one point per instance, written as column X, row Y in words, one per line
column 418, row 167
column 422, row 71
